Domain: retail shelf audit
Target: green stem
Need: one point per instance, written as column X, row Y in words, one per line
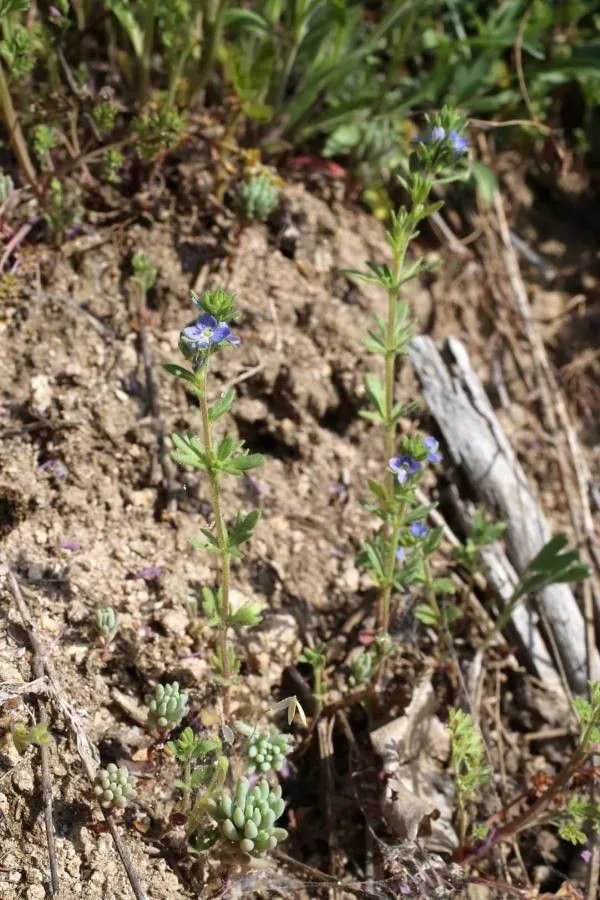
column 146, row 60
column 224, row 610
column 212, row 25
column 504, row 617
column 318, row 693
column 434, row 605
column 15, row 134
column 383, row 617
column 187, row 777
column 176, row 69
column 386, row 593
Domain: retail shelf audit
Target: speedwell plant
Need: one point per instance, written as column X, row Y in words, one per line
column 398, row 553
column 208, row 334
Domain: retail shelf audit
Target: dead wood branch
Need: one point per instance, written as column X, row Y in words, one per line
column 478, row 444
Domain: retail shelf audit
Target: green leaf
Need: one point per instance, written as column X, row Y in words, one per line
column 379, row 490
column 444, row 586
column 371, row 416
column 374, row 344
column 242, row 528
column 211, row 542
column 243, row 463
column 221, row 406
column 552, row 565
column 184, row 374
column 376, row 392
column 344, row 138
column 245, row 19
column 486, row 182
column 124, row 15
column 201, row 776
column 373, row 560
column 433, row 540
column 362, row 276
column 8, row 7
column 189, row 451
column 248, row 615
column 225, row 447
column 209, row 602
column 426, row 614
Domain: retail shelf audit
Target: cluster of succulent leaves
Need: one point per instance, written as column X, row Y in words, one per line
column 107, row 624
column 247, row 816
column 265, row 751
column 114, row 787
column 167, row 708
column 260, row 198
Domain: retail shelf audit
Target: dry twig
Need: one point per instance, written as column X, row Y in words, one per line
column 87, row 752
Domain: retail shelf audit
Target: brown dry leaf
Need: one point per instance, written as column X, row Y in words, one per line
column 406, row 814
column 419, row 797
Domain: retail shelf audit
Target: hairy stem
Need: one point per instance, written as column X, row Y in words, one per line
column 383, row 617
column 527, row 818
column 15, row 133
column 221, row 531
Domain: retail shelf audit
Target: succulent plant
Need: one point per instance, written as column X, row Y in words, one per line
column 260, row 198
column 248, row 818
column 266, row 750
column 168, row 707
column 114, row 786
column 107, row 624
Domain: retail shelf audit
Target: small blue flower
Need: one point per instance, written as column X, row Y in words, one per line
column 400, row 554
column 205, row 333
column 418, row 530
column 403, row 466
column 399, row 469
column 431, row 445
column 438, row 133
column 459, row 143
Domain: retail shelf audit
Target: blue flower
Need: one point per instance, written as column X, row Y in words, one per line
column 400, row 554
column 438, row 133
column 431, row 445
column 206, row 333
column 399, row 470
column 403, row 466
column 418, row 530
column 459, row 143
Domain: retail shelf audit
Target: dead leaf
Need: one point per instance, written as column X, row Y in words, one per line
column 407, row 815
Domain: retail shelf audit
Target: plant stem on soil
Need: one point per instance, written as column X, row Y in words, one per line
column 390, row 429
column 15, row 134
column 224, row 552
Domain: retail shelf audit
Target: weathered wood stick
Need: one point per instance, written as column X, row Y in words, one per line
column 477, row 443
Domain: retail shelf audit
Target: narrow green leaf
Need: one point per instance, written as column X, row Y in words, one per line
column 221, row 406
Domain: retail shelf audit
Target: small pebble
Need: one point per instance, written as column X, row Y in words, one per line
column 36, row 892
